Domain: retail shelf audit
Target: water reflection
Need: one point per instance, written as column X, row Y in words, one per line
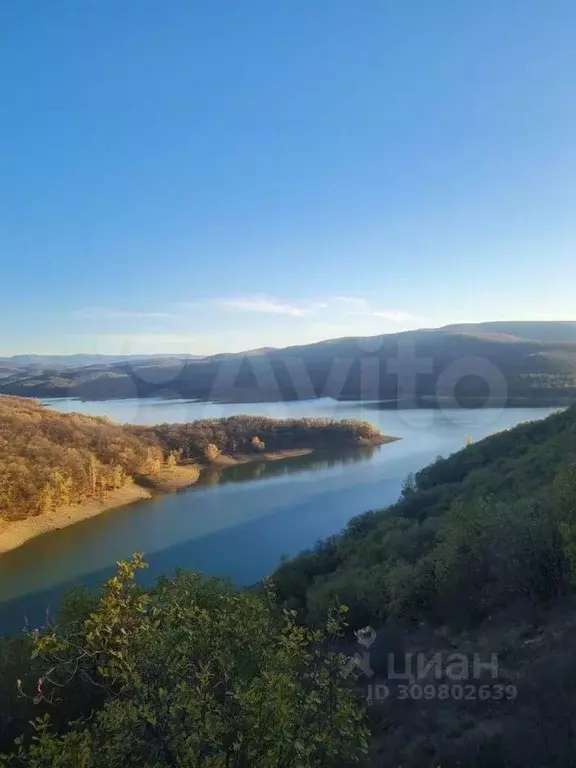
column 172, row 523
column 255, row 470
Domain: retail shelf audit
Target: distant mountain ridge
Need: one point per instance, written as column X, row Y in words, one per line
column 81, row 359
column 530, row 330
column 514, row 363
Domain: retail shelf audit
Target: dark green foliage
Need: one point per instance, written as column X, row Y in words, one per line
column 492, row 552
column 20, row 662
column 563, row 495
column 190, row 673
column 478, row 555
column 492, row 523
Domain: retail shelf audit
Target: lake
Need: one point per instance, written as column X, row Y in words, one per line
column 241, row 521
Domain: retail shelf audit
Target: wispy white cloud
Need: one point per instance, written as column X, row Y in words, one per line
column 259, row 303
column 354, row 305
column 348, row 305
column 396, row 316
column 173, row 327
column 353, row 301
column 113, row 313
column 264, row 304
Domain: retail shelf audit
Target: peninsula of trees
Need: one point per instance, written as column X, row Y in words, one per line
column 50, row 460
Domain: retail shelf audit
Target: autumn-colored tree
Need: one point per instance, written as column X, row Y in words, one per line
column 258, row 444
column 211, row 452
column 172, row 459
column 50, row 459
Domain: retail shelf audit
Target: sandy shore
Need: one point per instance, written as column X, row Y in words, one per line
column 245, row 458
column 14, row 533
column 170, row 480
column 17, row 532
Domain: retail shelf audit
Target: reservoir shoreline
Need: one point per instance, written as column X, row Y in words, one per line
column 16, row 533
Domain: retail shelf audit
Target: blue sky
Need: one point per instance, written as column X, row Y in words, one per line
column 217, row 175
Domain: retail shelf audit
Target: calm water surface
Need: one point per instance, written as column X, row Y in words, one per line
column 241, row 521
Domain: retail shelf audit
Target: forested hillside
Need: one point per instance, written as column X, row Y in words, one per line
column 49, row 460
column 452, row 548
column 478, row 556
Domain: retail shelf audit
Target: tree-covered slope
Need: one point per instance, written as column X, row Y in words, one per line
column 49, row 460
column 477, row 558
column 462, row 526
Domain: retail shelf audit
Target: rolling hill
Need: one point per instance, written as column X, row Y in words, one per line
column 513, row 363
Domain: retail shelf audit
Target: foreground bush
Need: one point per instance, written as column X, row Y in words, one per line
column 190, row 673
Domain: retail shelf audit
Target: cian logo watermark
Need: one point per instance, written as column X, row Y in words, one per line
column 439, row 675
column 361, row 659
column 440, row 666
